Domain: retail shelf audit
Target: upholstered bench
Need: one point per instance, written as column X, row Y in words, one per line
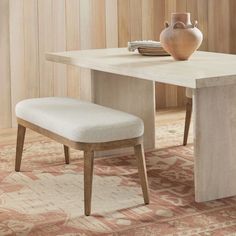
column 83, row 126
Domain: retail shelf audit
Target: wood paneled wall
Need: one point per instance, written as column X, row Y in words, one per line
column 29, row 28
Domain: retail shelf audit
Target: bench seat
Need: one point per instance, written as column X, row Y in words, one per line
column 83, row 126
column 80, row 121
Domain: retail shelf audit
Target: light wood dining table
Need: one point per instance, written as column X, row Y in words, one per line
column 126, row 81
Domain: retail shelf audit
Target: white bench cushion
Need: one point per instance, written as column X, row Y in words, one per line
column 80, row 121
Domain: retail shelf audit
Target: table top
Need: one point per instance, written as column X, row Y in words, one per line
column 203, row 69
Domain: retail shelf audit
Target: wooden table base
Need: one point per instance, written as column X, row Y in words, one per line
column 128, row 94
column 215, row 142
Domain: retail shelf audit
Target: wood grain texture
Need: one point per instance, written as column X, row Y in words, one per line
column 158, row 24
column 188, row 115
column 140, row 156
column 73, row 43
column 18, row 85
column 31, row 50
column 148, row 20
column 111, row 24
column 159, row 18
column 232, row 27
column 59, row 44
column 130, row 95
column 85, row 43
column 135, row 17
column 124, row 26
column 67, row 154
column 98, row 24
column 199, row 12
column 5, row 78
column 29, row 28
column 45, row 45
column 17, row 49
column 23, row 51
column 219, row 26
column 88, row 181
column 215, row 150
column 19, row 146
column 202, row 70
column 160, row 96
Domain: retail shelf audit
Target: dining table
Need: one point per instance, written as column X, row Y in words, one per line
column 125, row 81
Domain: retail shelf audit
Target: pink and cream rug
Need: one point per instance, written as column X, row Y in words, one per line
column 46, row 198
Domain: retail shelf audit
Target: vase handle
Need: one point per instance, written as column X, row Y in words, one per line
column 166, row 24
column 179, row 25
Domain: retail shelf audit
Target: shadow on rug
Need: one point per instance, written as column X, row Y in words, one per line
column 46, row 198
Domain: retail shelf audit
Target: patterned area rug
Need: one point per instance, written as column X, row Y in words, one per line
column 46, row 198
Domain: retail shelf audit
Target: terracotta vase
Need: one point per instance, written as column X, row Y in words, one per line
column 181, row 38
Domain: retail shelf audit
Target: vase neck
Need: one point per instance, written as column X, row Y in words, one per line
column 183, row 17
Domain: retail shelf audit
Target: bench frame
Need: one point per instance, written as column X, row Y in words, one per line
column 89, row 149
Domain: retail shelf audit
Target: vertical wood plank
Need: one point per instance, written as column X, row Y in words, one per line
column 111, row 23
column 85, row 24
column 135, row 20
column 73, row 43
column 23, row 51
column 170, row 7
column 192, row 8
column 92, row 27
column 199, row 12
column 148, row 31
column 45, row 45
column 158, row 24
column 52, row 38
column 159, row 18
column 5, row 79
column 85, row 43
column 31, row 50
column 17, row 59
column 171, row 95
column 232, row 27
column 181, row 5
column 59, row 44
column 181, row 97
column 153, row 18
column 219, row 26
column 160, row 95
column 98, row 24
column 203, row 22
column 124, row 22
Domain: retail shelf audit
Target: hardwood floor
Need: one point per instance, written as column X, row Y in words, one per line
column 166, row 119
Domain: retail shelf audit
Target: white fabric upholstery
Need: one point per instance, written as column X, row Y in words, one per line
column 189, row 93
column 80, row 121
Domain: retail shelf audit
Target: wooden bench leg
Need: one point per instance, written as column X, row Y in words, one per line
column 88, row 180
column 19, row 146
column 67, row 154
column 187, row 120
column 139, row 152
